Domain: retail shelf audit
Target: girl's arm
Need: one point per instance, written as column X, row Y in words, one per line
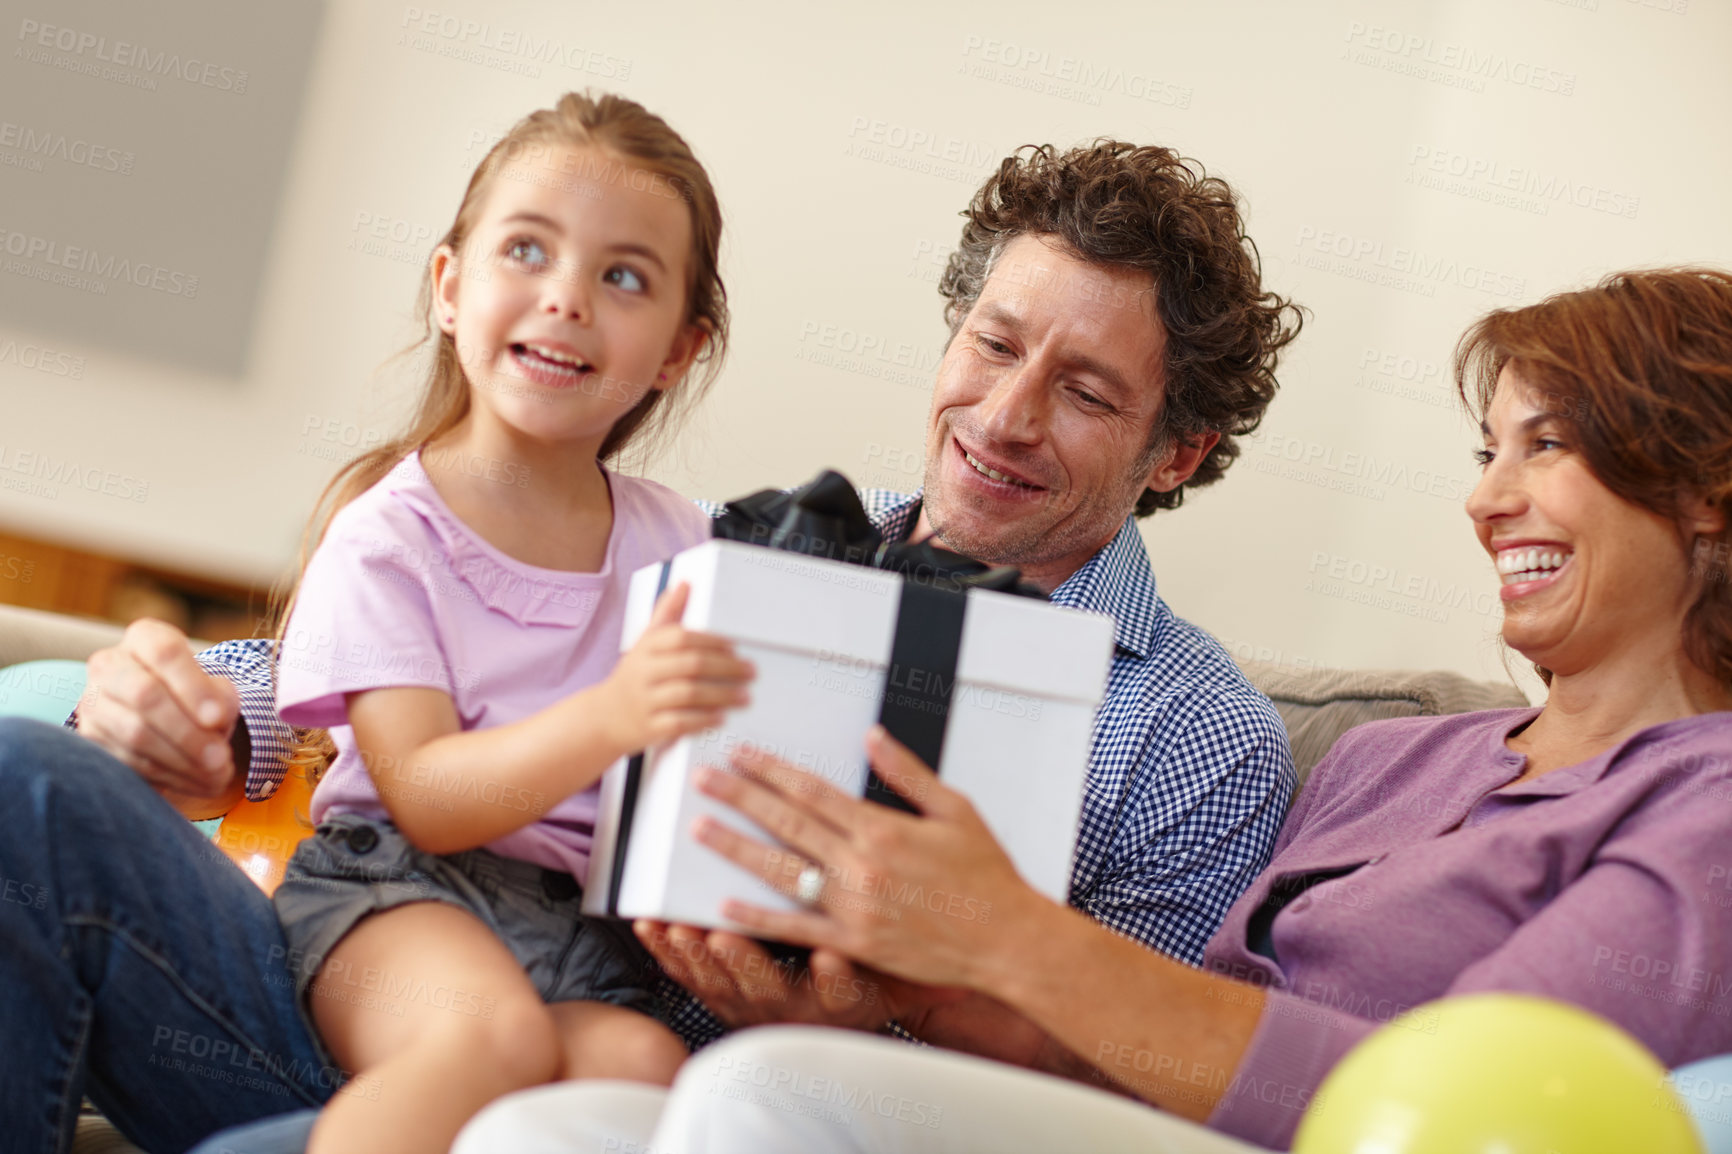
column 450, row 790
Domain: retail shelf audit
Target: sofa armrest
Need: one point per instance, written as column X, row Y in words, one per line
column 32, row 634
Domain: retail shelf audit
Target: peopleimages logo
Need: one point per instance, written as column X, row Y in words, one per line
column 1382, row 586
column 1380, row 472
column 125, row 54
column 42, row 359
column 44, row 143
column 1523, row 187
column 1398, row 266
column 520, row 48
column 1430, row 58
column 44, row 467
column 98, row 265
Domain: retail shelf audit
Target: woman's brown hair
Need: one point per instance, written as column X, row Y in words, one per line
column 631, row 140
column 1640, row 366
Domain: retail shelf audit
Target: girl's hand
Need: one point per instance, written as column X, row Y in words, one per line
column 673, row 682
column 926, row 898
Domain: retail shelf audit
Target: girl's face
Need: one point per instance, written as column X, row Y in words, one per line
column 1586, row 575
column 568, row 302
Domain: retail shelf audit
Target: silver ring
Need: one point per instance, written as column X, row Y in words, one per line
column 809, row 887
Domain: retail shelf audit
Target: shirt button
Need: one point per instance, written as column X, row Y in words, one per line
column 363, row 838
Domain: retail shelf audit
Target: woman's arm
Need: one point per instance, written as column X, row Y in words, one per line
column 1169, row 1034
column 450, row 790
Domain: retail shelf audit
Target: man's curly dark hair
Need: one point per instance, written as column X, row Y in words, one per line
column 1149, row 209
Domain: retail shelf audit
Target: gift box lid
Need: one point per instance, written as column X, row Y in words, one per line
column 844, row 612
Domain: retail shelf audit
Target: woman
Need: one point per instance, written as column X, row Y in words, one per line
column 1567, row 851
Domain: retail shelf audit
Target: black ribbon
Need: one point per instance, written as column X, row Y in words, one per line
column 824, row 518
column 628, row 799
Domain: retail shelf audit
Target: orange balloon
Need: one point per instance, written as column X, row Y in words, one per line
column 260, row 836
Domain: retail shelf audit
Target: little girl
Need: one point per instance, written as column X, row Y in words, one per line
column 458, row 632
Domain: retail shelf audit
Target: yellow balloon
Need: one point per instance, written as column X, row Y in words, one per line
column 1497, row 1074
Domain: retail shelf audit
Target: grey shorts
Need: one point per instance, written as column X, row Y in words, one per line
column 354, row 866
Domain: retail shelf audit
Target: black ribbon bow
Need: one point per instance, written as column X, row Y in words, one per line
column 824, row 518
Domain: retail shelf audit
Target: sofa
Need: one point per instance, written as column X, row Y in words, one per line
column 1316, row 705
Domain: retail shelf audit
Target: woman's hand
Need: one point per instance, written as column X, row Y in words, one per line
column 673, row 682
column 921, row 898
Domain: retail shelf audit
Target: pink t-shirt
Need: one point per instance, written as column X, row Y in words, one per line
column 402, row 593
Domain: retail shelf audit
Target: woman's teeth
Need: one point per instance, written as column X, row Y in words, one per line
column 994, row 473
column 1518, row 565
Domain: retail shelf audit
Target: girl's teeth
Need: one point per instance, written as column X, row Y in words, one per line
column 561, row 359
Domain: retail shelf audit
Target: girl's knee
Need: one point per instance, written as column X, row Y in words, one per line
column 518, row 1040
column 653, row 1054
column 622, row 1044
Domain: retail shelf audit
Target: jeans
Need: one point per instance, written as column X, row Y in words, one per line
column 138, row 965
column 284, row 1134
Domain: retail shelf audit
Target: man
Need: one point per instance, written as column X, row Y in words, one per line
column 1109, row 338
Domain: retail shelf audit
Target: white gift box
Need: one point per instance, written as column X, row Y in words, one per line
column 1011, row 704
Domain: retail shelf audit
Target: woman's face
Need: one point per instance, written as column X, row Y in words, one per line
column 1586, row 575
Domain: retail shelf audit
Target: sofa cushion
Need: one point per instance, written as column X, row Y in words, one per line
column 45, row 690
column 1319, row 705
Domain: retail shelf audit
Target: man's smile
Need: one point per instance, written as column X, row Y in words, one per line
column 1002, row 476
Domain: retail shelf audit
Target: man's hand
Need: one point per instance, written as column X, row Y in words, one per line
column 744, row 986
column 149, row 704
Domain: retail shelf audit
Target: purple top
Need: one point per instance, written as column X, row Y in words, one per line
column 402, row 593
column 1607, row 884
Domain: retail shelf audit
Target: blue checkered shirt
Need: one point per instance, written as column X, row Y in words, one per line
column 1189, row 774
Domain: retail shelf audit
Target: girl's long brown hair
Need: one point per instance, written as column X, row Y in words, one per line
column 624, row 140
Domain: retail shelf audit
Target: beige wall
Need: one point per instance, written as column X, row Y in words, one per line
column 1368, row 137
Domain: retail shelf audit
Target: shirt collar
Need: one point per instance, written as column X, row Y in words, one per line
column 527, row 594
column 1118, row 580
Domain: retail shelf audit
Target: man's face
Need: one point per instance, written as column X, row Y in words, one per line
column 1052, row 382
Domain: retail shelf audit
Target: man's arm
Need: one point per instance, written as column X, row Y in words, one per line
column 202, row 731
column 1213, row 798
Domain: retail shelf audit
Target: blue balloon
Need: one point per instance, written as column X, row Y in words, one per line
column 1706, row 1088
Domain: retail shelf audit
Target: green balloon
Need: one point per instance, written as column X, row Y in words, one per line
column 1497, row 1074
